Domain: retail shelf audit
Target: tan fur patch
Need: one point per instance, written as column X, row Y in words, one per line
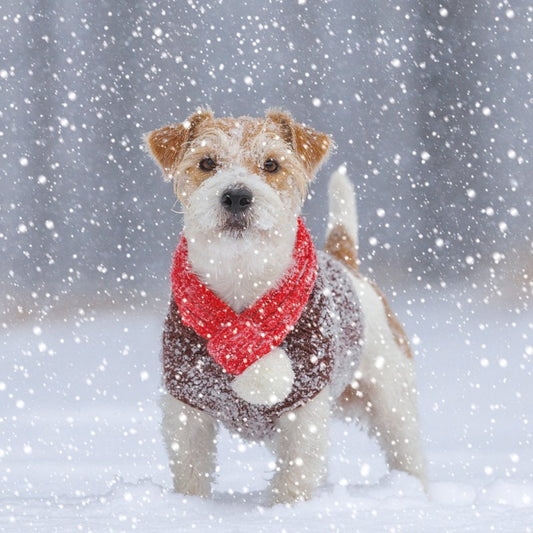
column 394, row 324
column 311, row 145
column 167, row 144
column 341, row 246
column 244, row 141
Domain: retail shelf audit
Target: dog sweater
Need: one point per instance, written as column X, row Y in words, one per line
column 323, row 348
column 236, row 341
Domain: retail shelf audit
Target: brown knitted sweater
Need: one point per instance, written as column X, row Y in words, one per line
column 323, row 348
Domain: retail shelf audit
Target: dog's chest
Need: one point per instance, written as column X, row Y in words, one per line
column 323, row 349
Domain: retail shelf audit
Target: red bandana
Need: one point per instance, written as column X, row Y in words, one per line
column 236, row 341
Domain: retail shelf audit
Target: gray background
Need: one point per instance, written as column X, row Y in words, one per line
column 429, row 105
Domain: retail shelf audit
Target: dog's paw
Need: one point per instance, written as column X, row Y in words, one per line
column 193, row 487
column 287, row 494
column 266, row 382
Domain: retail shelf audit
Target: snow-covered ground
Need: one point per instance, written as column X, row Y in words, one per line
column 80, row 448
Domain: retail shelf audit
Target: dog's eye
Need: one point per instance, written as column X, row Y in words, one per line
column 271, row 165
column 207, row 164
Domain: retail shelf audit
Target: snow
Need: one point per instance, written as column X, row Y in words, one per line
column 80, row 448
column 430, row 109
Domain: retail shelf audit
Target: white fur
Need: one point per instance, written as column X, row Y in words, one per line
column 385, row 381
column 385, row 378
column 240, row 269
column 300, row 444
column 189, row 436
column 268, row 381
column 342, row 204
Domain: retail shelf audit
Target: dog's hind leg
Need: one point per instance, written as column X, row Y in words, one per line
column 189, row 436
column 300, row 443
column 383, row 392
column 389, row 405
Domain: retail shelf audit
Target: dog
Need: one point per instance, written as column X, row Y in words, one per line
column 264, row 333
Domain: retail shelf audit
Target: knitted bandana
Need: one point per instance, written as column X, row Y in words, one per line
column 235, row 341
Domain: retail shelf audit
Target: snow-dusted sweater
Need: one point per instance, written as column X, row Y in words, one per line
column 323, row 348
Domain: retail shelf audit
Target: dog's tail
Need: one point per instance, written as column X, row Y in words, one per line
column 341, row 237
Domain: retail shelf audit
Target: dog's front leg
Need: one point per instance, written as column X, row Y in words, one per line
column 300, row 443
column 189, row 436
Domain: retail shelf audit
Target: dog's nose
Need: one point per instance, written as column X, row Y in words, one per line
column 237, row 200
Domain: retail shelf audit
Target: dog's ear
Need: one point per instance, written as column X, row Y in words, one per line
column 311, row 146
column 168, row 144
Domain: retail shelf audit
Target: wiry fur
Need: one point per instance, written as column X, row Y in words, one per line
column 189, row 436
column 241, row 265
column 383, row 393
column 240, row 270
column 342, row 209
column 301, row 447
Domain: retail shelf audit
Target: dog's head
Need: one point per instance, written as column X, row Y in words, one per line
column 239, row 176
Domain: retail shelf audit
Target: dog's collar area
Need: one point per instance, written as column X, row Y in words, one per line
column 236, row 341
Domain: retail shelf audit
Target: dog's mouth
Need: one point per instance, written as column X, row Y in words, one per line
column 236, row 224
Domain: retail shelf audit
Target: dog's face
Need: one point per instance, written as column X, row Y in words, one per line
column 238, row 177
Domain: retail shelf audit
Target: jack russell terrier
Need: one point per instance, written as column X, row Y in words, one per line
column 264, row 333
